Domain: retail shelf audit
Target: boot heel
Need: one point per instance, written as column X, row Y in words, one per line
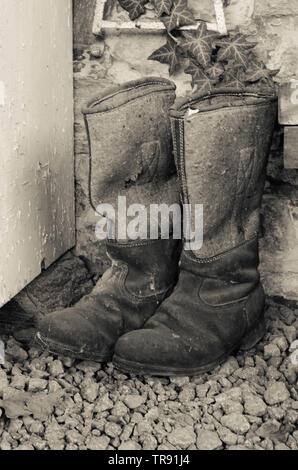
column 254, row 336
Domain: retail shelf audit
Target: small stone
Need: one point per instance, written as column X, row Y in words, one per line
column 129, row 445
column 74, row 437
column 67, row 361
column 281, row 447
column 56, row 368
column 180, row 381
column 38, row 443
column 152, row 414
column 3, row 380
column 144, row 427
column 103, row 404
column 276, row 412
column 268, row 429
column 271, row 350
column 208, row 440
column 18, row 382
column 202, row 390
column 97, row 443
column 89, row 390
column 276, row 393
column 229, row 367
column 112, row 430
column 254, row 405
column 88, row 367
column 230, row 406
column 16, row 353
column 25, row 446
column 272, row 373
column 5, row 445
column 37, row 385
column 281, row 343
column 119, row 410
column 290, row 333
column 36, row 427
column 236, row 423
column 133, row 401
column 187, row 394
column 53, row 386
column 14, row 426
column 182, row 437
column 150, row 443
column 246, row 373
column 227, row 436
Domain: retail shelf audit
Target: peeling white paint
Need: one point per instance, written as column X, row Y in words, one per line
column 36, row 139
column 2, row 93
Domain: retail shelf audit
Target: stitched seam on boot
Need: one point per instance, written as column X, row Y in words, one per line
column 219, row 306
column 221, row 255
column 118, row 92
column 101, row 113
column 136, row 244
column 270, row 99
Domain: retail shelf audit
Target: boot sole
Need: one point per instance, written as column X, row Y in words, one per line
column 57, row 348
column 137, row 368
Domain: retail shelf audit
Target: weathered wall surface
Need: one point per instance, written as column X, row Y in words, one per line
column 274, row 25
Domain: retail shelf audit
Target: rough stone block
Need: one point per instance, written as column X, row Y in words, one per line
column 275, row 7
column 60, row 286
column 279, row 247
column 239, row 13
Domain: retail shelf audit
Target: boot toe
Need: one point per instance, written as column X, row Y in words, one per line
column 153, row 352
column 67, row 332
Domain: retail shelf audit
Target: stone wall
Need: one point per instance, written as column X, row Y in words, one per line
column 274, row 26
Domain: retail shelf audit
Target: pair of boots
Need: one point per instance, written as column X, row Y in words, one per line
column 163, row 307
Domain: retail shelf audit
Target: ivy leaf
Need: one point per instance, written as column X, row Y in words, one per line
column 215, row 71
column 234, row 78
column 234, row 48
column 167, row 54
column 180, row 16
column 163, row 6
column 198, row 44
column 135, row 8
column 203, row 83
column 258, row 72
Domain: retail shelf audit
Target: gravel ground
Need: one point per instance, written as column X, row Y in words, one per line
column 250, row 402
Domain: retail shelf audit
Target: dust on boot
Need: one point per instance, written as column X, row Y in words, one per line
column 131, row 155
column 221, row 143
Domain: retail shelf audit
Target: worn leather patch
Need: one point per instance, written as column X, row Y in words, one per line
column 147, row 160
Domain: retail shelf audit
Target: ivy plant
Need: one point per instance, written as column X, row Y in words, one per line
column 211, row 60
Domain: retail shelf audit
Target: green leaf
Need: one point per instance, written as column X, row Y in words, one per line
column 234, row 48
column 163, row 6
column 135, row 8
column 198, row 44
column 167, row 54
column 258, row 71
column 180, row 16
column 200, row 80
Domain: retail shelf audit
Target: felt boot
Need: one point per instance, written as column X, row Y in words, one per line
column 221, row 144
column 131, row 156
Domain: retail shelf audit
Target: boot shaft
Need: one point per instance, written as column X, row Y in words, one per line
column 130, row 142
column 221, row 144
